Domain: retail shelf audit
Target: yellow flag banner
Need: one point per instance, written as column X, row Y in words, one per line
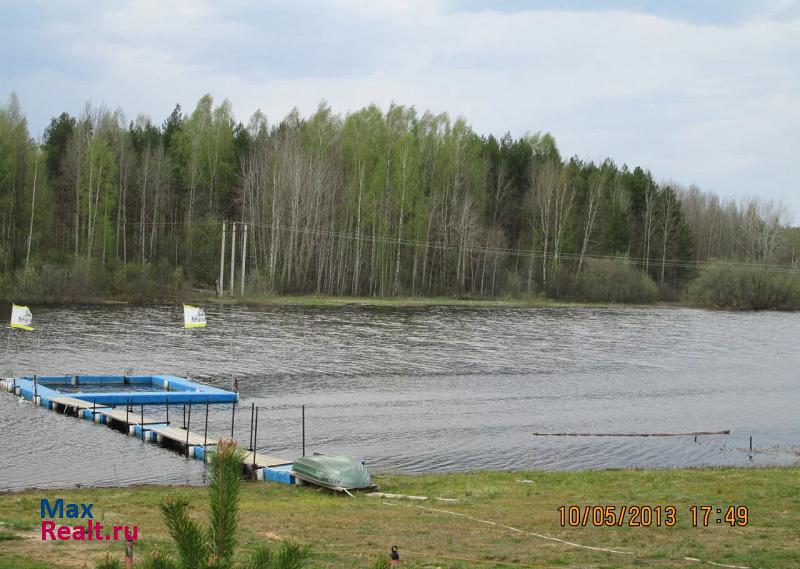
column 193, row 317
column 21, row 317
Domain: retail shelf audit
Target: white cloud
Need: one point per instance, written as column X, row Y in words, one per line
column 717, row 105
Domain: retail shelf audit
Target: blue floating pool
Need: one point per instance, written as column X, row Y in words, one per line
column 123, row 389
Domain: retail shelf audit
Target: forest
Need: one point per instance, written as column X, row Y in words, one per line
column 372, row 203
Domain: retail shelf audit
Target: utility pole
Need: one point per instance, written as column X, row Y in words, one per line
column 33, row 205
column 244, row 255
column 233, row 255
column 221, row 282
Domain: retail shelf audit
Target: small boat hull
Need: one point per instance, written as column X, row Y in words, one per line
column 336, row 472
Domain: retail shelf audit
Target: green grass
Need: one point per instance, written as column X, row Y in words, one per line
column 17, row 562
column 348, row 532
column 312, row 300
column 395, row 302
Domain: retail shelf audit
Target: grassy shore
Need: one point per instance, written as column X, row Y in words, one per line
column 195, row 296
column 346, row 532
column 391, row 301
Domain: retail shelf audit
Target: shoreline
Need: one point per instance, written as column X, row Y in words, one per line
column 466, row 520
column 395, row 474
column 313, row 300
column 325, row 301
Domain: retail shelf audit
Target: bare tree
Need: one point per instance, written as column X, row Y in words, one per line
column 597, row 184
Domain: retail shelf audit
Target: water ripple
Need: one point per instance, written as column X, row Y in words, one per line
column 422, row 389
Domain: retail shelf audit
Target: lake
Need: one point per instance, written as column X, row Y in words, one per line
column 420, row 389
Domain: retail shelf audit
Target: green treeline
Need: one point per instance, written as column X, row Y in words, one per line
column 372, row 203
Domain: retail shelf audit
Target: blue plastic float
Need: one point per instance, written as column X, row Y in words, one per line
column 166, row 389
column 111, row 390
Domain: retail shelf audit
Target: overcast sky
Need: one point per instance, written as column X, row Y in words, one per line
column 704, row 92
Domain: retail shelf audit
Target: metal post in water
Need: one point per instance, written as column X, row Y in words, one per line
column 205, row 434
column 35, row 388
column 184, row 416
column 304, row 430
column 188, row 422
column 252, row 415
column 233, row 418
column 167, row 411
column 751, row 444
column 127, row 422
column 255, row 438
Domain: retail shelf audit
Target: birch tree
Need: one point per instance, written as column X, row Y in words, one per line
column 596, row 188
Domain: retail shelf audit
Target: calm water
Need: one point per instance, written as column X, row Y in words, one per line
column 416, row 390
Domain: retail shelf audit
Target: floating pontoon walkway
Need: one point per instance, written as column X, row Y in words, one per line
column 150, row 389
column 101, row 407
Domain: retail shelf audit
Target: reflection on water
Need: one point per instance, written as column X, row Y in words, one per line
column 421, row 389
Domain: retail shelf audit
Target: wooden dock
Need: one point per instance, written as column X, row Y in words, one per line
column 134, row 422
column 264, row 460
column 129, row 417
column 180, row 435
column 183, row 438
column 75, row 404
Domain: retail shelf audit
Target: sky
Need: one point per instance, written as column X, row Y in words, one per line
column 698, row 92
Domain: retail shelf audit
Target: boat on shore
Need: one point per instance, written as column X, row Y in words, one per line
column 334, row 471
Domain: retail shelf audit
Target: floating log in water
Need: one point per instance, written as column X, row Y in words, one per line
column 692, row 434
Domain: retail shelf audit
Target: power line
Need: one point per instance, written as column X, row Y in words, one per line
column 656, row 262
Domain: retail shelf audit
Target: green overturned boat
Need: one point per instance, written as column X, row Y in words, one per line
column 335, row 471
